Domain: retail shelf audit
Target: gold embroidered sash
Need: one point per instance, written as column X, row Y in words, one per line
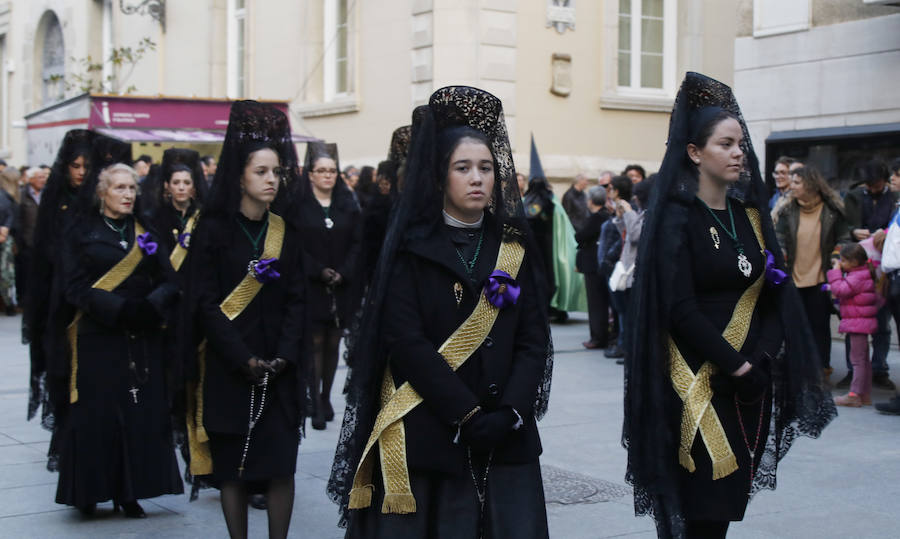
column 694, row 389
column 232, row 307
column 179, row 253
column 389, row 431
column 108, row 282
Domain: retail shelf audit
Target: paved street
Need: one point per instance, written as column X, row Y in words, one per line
column 843, row 485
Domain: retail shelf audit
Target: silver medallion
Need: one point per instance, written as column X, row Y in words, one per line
column 124, row 244
column 328, row 222
column 744, row 265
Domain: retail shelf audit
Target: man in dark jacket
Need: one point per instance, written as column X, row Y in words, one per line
column 868, row 208
column 35, row 179
column 586, row 262
column 574, row 202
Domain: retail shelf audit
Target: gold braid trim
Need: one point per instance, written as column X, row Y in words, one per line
column 389, row 431
column 694, row 389
column 232, row 307
column 179, row 253
column 108, row 282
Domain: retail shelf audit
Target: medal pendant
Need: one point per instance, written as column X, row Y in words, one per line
column 744, row 265
column 252, row 266
column 715, row 237
column 328, row 223
column 457, row 292
column 123, row 244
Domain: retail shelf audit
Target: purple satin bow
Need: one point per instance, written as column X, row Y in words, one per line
column 146, row 243
column 184, row 239
column 265, row 271
column 773, row 275
column 501, row 289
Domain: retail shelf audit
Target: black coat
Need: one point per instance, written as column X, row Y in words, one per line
column 167, row 220
column 271, row 326
column 112, row 439
column 337, row 248
column 587, row 237
column 420, row 314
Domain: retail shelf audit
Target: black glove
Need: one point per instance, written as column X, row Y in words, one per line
column 255, row 370
column 753, row 384
column 139, row 314
column 484, row 431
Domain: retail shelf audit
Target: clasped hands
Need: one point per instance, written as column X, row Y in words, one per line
column 485, row 430
column 749, row 382
column 331, row 277
column 255, row 369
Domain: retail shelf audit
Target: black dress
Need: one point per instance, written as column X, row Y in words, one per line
column 116, row 440
column 709, row 286
column 420, row 314
column 170, row 223
column 271, row 326
column 339, row 248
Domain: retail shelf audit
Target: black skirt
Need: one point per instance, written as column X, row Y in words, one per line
column 110, row 447
column 447, row 507
column 272, row 452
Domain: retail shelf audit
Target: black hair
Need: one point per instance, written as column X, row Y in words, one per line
column 447, row 142
column 622, row 185
column 641, row 192
column 871, row 172
column 145, row 158
column 706, row 124
column 895, row 166
column 207, row 159
column 636, row 167
column 855, row 252
column 179, row 167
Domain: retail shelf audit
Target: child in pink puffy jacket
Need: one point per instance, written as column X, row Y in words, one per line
column 852, row 282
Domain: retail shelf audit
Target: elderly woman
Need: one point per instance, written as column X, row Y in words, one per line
column 809, row 228
column 116, row 441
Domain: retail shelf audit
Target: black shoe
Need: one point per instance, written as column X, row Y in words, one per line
column 131, row 509
column 318, row 421
column 883, row 381
column 327, row 410
column 259, row 501
column 614, row 352
column 890, row 407
column 844, row 383
column 88, row 510
column 620, row 361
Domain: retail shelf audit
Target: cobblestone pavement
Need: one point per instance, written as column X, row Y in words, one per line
column 843, row 485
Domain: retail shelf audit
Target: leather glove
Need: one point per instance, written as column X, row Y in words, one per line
column 484, row 431
column 753, row 383
column 254, row 370
column 139, row 314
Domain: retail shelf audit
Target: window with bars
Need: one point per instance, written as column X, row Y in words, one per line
column 642, row 54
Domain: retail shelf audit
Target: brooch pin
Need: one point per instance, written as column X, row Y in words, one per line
column 457, row 292
column 329, row 223
column 715, row 236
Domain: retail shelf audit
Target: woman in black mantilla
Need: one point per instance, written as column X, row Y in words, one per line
column 709, row 283
column 182, row 187
column 46, row 312
column 465, row 458
column 116, row 439
column 329, row 219
column 246, row 284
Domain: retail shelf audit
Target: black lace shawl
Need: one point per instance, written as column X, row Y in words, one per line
column 800, row 406
column 417, row 212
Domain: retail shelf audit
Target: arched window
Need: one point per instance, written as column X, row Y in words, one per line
column 53, row 60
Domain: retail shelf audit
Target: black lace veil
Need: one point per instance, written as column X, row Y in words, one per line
column 417, row 211
column 800, row 406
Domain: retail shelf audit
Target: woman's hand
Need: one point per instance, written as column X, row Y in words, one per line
column 276, row 366
column 255, row 370
column 743, row 369
column 835, row 263
column 4, row 233
column 861, row 233
column 331, row 277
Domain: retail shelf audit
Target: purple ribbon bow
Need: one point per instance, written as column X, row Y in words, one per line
column 265, row 271
column 184, row 239
column 773, row 275
column 146, row 243
column 501, row 289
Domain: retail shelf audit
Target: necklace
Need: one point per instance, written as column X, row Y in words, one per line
column 470, row 265
column 480, row 486
column 255, row 414
column 122, row 241
column 751, row 451
column 255, row 241
column 744, row 265
column 328, row 222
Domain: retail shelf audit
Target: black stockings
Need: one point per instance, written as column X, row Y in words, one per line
column 280, row 499
column 326, row 341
